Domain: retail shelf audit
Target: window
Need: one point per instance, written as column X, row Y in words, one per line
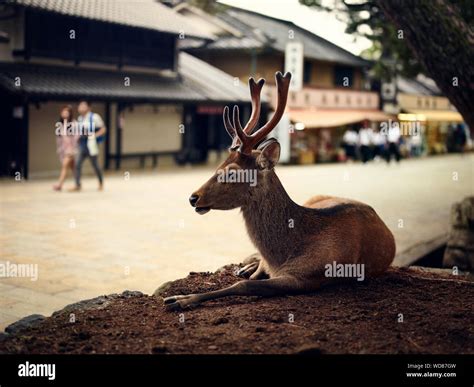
column 49, row 35
column 343, row 76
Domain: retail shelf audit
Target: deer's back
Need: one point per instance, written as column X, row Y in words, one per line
column 323, row 201
column 351, row 231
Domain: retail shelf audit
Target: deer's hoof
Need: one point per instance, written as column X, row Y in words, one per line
column 248, row 270
column 178, row 302
column 172, row 306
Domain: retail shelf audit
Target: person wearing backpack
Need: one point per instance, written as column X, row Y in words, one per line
column 93, row 131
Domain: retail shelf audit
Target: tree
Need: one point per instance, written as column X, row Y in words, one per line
column 430, row 36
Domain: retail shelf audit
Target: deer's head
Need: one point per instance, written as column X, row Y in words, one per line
column 250, row 158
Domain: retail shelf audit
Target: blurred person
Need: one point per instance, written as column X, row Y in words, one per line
column 450, row 138
column 393, row 144
column 350, row 141
column 66, row 144
column 468, row 138
column 92, row 131
column 365, row 141
column 415, row 145
column 460, row 138
column 378, row 144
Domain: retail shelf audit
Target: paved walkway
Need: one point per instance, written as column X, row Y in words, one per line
column 141, row 231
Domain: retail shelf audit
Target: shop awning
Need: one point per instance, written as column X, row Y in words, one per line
column 327, row 118
column 437, row 115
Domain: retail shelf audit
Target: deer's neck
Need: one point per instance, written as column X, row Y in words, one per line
column 273, row 220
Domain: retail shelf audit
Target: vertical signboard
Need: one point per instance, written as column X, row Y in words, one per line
column 294, row 59
column 282, row 134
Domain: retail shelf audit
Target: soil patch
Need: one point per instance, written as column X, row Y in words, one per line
column 437, row 312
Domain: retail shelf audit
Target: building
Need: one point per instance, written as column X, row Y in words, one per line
column 157, row 103
column 419, row 103
column 330, row 91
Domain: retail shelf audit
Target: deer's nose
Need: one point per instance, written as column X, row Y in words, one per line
column 193, row 200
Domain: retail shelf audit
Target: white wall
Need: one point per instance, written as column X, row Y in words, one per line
column 151, row 128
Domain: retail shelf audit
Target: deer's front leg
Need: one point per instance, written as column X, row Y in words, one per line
column 265, row 288
column 248, row 270
column 254, row 267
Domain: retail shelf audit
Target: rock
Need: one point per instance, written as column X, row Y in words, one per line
column 93, row 303
column 131, row 293
column 26, row 322
column 100, row 302
column 162, row 288
column 462, row 214
column 460, row 246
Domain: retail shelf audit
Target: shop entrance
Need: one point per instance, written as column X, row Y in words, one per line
column 14, row 134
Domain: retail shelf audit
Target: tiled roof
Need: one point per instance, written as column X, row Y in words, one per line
column 420, row 86
column 262, row 31
column 198, row 81
column 211, row 82
column 67, row 82
column 149, row 14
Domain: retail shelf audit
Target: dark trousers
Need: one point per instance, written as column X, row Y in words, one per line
column 392, row 149
column 82, row 154
column 350, row 151
column 365, row 153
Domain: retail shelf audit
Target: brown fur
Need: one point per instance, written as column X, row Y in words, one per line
column 295, row 242
column 325, row 229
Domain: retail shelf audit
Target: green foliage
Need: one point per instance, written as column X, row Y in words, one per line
column 390, row 50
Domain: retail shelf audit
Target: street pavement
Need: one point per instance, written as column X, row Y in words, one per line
column 141, row 231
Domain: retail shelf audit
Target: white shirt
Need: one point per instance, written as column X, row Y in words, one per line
column 394, row 134
column 84, row 121
column 350, row 137
column 378, row 138
column 365, row 136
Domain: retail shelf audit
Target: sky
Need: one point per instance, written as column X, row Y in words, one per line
column 319, row 22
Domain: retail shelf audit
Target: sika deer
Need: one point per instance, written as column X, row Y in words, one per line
column 325, row 230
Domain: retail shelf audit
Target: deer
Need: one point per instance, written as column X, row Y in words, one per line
column 290, row 260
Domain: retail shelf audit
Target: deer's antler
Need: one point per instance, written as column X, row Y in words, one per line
column 234, row 127
column 243, row 136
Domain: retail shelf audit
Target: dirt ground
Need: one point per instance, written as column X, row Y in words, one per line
column 438, row 317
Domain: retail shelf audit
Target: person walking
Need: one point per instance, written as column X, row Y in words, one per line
column 460, row 138
column 416, row 143
column 66, row 144
column 393, row 144
column 92, row 131
column 365, row 140
column 350, row 141
column 379, row 143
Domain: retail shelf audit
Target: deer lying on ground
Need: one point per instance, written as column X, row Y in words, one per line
column 295, row 243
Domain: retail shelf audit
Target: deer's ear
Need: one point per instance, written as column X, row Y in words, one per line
column 269, row 156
